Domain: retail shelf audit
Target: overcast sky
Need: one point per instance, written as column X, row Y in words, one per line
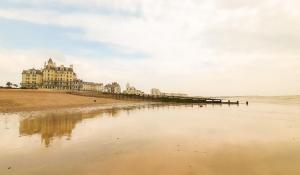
column 199, row 47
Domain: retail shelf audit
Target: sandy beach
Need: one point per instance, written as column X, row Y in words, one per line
column 16, row 100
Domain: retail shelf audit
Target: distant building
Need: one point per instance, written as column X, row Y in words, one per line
column 175, row 94
column 108, row 88
column 114, row 88
column 77, row 84
column 132, row 90
column 157, row 92
column 90, row 86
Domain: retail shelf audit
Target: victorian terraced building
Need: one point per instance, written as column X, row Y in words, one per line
column 56, row 77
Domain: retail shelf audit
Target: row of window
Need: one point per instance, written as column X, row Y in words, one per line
column 62, row 79
column 58, row 75
column 52, row 72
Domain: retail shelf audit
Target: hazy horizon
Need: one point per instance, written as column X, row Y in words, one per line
column 198, row 47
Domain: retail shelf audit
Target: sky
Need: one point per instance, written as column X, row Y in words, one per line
column 198, row 47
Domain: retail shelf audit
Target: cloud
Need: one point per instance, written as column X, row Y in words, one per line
column 191, row 46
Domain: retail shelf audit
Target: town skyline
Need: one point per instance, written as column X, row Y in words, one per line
column 205, row 48
column 123, row 84
column 60, row 77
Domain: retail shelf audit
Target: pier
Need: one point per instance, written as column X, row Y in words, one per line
column 147, row 97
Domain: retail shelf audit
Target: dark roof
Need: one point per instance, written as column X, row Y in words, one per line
column 64, row 68
column 50, row 60
column 32, row 71
column 49, row 68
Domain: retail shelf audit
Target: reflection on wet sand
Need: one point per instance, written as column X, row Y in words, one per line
column 51, row 125
column 259, row 139
column 58, row 124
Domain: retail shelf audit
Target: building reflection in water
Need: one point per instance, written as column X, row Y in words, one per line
column 57, row 125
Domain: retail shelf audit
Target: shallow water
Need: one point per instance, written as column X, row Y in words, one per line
column 262, row 139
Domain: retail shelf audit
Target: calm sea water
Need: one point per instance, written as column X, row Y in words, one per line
column 262, row 138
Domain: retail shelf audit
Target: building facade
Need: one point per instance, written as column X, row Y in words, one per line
column 157, row 92
column 113, row 88
column 176, row 94
column 90, row 86
column 61, row 77
column 132, row 90
column 51, row 77
column 58, row 77
column 32, row 78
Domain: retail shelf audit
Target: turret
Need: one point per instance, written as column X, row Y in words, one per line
column 51, row 63
column 127, row 86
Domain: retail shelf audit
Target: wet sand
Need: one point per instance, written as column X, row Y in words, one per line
column 16, row 100
column 259, row 139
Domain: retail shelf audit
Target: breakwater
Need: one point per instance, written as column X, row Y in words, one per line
column 147, row 97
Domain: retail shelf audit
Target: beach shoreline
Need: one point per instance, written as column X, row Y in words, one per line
column 25, row 100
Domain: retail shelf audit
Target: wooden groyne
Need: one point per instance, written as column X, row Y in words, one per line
column 147, row 97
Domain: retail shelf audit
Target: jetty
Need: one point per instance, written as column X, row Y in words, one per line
column 148, row 97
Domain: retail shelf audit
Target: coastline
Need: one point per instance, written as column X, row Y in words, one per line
column 23, row 100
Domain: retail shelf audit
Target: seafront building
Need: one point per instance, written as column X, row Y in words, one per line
column 51, row 77
column 157, row 92
column 60, row 77
column 32, row 78
column 132, row 90
column 91, row 86
column 114, row 88
column 175, row 94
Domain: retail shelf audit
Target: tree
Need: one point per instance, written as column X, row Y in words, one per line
column 8, row 84
column 15, row 85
